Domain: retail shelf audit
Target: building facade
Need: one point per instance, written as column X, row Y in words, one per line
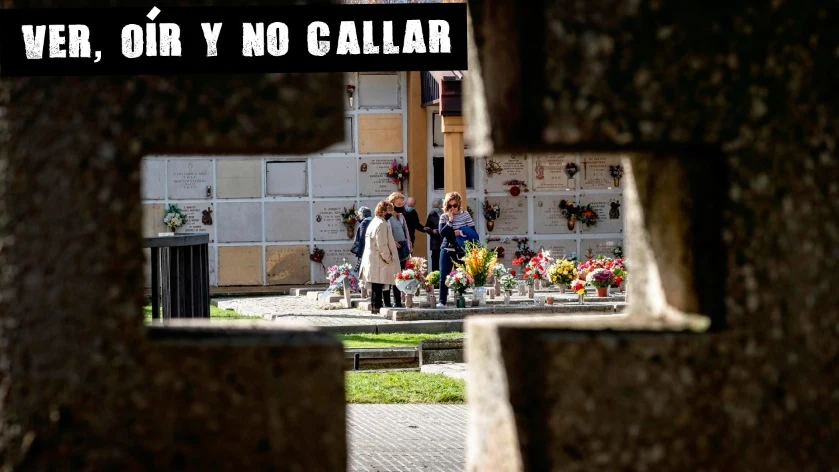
column 266, row 214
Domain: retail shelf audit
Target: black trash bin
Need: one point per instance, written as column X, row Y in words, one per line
column 180, row 275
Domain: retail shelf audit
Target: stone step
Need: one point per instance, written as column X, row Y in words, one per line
column 450, row 313
column 302, row 291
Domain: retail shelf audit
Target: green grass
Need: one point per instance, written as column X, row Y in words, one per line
column 216, row 313
column 403, row 387
column 391, row 339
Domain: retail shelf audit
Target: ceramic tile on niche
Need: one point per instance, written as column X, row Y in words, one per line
column 199, row 219
column 559, row 248
column 513, row 219
column 153, row 219
column 347, row 144
column 334, row 177
column 372, row 177
column 551, row 172
column 239, row 178
column 378, row 91
column 287, row 264
column 548, row 218
column 239, row 265
column 594, row 171
column 609, row 210
column 153, row 179
column 599, row 247
column 327, row 224
column 287, row 221
column 239, row 222
column 190, row 179
column 287, row 178
column 335, row 254
column 379, row 133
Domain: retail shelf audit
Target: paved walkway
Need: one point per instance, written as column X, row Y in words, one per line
column 451, row 369
column 409, row 438
column 302, row 310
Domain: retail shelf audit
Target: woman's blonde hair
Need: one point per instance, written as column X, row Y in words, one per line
column 452, row 196
column 395, row 196
column 383, row 207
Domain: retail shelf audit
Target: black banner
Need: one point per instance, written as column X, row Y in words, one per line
column 218, row 40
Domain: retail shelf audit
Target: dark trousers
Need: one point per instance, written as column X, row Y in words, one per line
column 397, row 295
column 376, row 296
column 446, row 259
column 435, row 260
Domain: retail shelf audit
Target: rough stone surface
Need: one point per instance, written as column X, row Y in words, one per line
column 748, row 87
column 454, row 369
column 83, row 386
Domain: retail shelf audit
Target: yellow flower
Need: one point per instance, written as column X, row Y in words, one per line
column 581, row 291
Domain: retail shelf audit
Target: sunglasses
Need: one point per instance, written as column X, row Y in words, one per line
column 453, row 205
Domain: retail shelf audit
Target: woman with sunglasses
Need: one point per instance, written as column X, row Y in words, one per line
column 453, row 219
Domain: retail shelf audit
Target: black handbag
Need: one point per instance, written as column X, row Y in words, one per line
column 404, row 250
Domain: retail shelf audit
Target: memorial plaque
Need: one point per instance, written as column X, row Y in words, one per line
column 239, row 222
column 549, row 172
column 287, row 264
column 287, row 221
column 514, row 216
column 380, row 133
column 153, row 219
column 194, row 213
column 609, row 209
column 334, row 254
column 153, row 179
column 286, row 178
column 190, row 178
column 211, row 253
column 599, row 247
column 507, row 244
column 372, row 176
column 547, row 217
column 334, row 177
column 559, row 248
column 499, row 169
column 326, row 221
column 594, row 171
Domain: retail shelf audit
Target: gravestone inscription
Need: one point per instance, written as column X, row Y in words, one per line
column 372, row 177
column 190, row 178
column 502, row 168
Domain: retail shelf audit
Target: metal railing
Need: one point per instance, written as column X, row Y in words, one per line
column 180, row 276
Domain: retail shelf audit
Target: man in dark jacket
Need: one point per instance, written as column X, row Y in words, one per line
column 431, row 225
column 366, row 216
column 412, row 219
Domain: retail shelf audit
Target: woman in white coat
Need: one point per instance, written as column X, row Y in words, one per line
column 380, row 260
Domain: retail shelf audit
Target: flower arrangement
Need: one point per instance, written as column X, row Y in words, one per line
column 563, row 272
column 584, row 268
column 346, row 270
column 349, row 217
column 618, row 252
column 579, row 287
column 600, row 278
column 619, row 270
column 499, row 271
column 499, row 251
column 317, row 255
column 173, row 217
column 508, row 283
column 478, row 262
column 491, row 212
column 523, row 250
column 516, row 187
column 616, row 172
column 409, row 280
column 432, row 280
column 459, row 280
column 417, row 263
column 568, row 209
column 398, row 173
column 587, row 216
column 536, row 268
column 571, row 169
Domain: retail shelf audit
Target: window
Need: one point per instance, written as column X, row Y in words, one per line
column 439, row 179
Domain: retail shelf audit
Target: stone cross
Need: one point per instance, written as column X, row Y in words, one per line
column 85, row 385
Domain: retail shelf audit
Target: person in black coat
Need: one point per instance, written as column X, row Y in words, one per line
column 431, row 224
column 412, row 219
column 366, row 216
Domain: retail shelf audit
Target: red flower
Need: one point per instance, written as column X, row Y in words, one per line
column 399, row 276
column 513, row 272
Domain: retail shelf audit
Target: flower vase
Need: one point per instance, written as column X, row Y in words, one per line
column 431, row 299
column 479, row 296
column 561, row 288
column 530, row 291
column 490, row 225
column 497, row 286
column 409, row 301
column 507, row 296
column 572, row 222
column 617, row 181
column 399, row 185
column 350, row 232
column 623, row 286
column 602, row 291
column 582, row 298
column 461, row 301
column 522, row 288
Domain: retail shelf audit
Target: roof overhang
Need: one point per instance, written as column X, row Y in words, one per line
column 442, row 88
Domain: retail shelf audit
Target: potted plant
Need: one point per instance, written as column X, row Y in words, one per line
column 458, row 281
column 337, row 274
column 173, row 217
column 478, row 262
column 601, row 279
column 562, row 273
column 508, row 284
